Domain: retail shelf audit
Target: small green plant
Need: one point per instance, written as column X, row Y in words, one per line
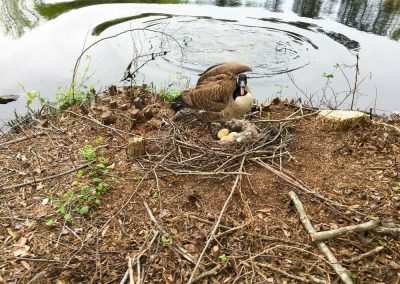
column 166, row 240
column 156, row 195
column 223, row 258
column 169, row 95
column 73, row 97
column 87, row 190
column 99, row 140
column 50, row 222
column 88, row 153
column 31, row 97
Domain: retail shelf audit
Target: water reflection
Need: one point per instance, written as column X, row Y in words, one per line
column 16, row 16
column 379, row 17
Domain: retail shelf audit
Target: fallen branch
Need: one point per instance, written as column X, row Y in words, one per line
column 175, row 247
column 284, row 273
column 387, row 230
column 331, row 234
column 46, row 178
column 214, row 230
column 364, row 255
column 339, row 269
column 212, row 272
column 140, row 254
column 130, row 269
column 21, row 139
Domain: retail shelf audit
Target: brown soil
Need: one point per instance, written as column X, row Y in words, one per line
column 358, row 168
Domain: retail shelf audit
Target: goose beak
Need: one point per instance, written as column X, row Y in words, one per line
column 242, row 91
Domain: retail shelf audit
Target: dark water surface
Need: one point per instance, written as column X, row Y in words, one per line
column 40, row 41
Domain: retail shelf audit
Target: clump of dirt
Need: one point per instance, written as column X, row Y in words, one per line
column 158, row 210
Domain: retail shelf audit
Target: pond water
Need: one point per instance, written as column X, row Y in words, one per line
column 297, row 48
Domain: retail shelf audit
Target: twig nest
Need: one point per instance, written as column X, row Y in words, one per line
column 240, row 131
column 222, row 133
column 343, row 119
column 136, row 148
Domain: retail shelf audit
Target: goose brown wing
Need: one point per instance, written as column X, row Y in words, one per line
column 211, row 95
column 224, row 68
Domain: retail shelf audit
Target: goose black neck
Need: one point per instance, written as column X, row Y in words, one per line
column 236, row 93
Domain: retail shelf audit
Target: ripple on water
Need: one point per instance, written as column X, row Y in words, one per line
column 269, row 51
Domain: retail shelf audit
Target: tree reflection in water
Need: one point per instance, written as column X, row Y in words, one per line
column 380, row 17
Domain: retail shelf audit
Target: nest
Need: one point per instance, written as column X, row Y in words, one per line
column 192, row 148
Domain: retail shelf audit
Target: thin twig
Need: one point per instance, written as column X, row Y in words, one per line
column 212, row 272
column 213, row 231
column 175, row 247
column 21, row 139
column 46, row 178
column 364, row 255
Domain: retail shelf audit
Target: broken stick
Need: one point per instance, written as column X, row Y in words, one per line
column 331, row 234
column 364, row 255
column 339, row 269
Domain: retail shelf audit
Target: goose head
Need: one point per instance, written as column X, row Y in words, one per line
column 242, row 97
column 241, row 85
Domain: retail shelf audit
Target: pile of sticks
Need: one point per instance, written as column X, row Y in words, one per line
column 190, row 149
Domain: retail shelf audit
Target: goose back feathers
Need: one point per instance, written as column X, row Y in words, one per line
column 217, row 91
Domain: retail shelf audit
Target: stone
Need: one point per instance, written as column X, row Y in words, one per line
column 136, row 148
column 107, row 117
column 343, row 119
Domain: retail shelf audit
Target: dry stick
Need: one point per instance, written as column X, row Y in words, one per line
column 46, row 178
column 355, row 83
column 205, row 221
column 175, row 247
column 131, row 279
column 156, row 233
column 331, row 234
column 138, row 269
column 339, row 269
column 134, row 191
column 21, row 139
column 364, row 255
column 211, row 236
column 212, row 272
column 289, row 118
column 298, row 185
column 388, row 230
column 275, row 269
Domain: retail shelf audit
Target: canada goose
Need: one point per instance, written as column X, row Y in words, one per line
column 221, row 91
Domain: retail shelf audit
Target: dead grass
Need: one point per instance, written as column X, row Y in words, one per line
column 358, row 168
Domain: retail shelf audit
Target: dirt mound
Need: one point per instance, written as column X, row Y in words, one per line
column 74, row 208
